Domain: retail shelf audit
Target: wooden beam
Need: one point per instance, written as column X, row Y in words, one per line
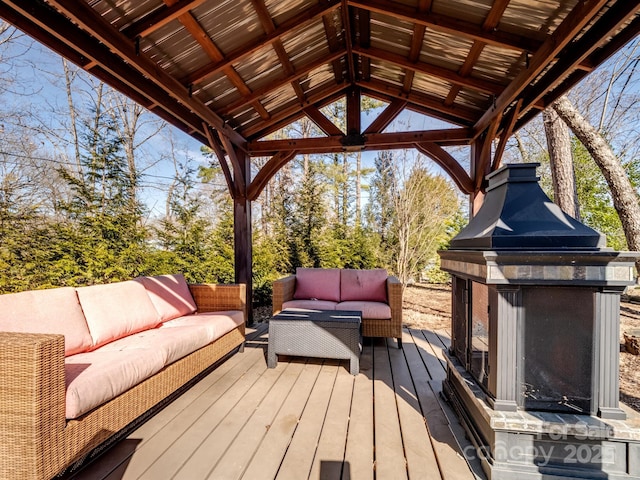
column 490, row 23
column 575, row 54
column 299, row 22
column 575, row 20
column 452, row 26
column 323, row 123
column 396, row 140
column 484, row 165
column 276, row 84
column 506, row 133
column 331, row 33
column 269, row 28
column 448, row 164
column 288, row 115
column 433, row 103
column 235, row 156
column 100, row 61
column 213, row 52
column 159, row 18
column 216, row 146
column 354, row 114
column 89, row 20
column 348, row 39
column 267, row 172
column 387, row 116
column 432, row 70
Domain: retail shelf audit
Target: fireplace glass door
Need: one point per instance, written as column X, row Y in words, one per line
column 479, row 326
column 558, row 349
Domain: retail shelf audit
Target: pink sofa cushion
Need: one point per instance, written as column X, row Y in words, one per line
column 93, row 378
column 369, row 285
column 55, row 310
column 115, row 310
column 372, row 310
column 310, row 304
column 215, row 323
column 317, row 283
column 170, row 295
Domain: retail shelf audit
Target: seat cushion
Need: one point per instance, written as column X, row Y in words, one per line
column 216, row 324
column 317, row 283
column 373, row 310
column 310, row 304
column 170, row 295
column 93, row 378
column 55, row 310
column 369, row 285
column 115, row 310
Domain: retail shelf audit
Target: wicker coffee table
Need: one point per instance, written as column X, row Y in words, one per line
column 316, row 333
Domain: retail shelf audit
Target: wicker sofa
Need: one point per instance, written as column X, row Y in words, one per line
column 79, row 365
column 377, row 295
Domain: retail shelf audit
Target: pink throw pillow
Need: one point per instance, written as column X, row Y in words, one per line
column 369, row 285
column 170, row 295
column 115, row 310
column 55, row 310
column 318, row 283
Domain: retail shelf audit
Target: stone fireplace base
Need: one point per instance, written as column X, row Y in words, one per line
column 542, row 445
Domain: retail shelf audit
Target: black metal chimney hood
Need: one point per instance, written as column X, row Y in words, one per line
column 517, row 214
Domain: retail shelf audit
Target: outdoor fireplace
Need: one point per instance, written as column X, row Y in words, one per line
column 535, row 337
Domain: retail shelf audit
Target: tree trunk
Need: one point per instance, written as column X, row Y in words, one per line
column 624, row 196
column 562, row 173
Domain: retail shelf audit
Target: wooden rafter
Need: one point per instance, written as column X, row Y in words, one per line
column 323, row 123
column 490, row 23
column 239, row 181
column 417, row 40
column 211, row 49
column 334, row 45
column 448, row 25
column 433, row 70
column 81, row 14
column 270, row 27
column 387, row 116
column 160, row 17
column 292, row 113
column 448, row 164
column 582, row 14
column 434, row 104
column 298, row 23
column 612, row 20
column 279, row 83
column 162, row 92
column 346, row 21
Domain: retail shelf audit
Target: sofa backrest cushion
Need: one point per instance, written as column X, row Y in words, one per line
column 115, row 310
column 317, row 283
column 170, row 295
column 55, row 310
column 369, row 285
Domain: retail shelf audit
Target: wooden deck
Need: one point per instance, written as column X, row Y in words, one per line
column 307, row 418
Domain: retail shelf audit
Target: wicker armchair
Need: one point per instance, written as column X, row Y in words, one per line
column 284, row 289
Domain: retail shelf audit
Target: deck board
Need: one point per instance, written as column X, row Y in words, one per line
column 304, row 419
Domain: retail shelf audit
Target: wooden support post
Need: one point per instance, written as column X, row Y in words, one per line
column 476, row 198
column 242, row 244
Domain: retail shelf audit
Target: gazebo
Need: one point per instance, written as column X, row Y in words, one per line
column 231, row 72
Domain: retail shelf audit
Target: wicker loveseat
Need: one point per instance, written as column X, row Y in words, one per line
column 78, row 365
column 374, row 293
